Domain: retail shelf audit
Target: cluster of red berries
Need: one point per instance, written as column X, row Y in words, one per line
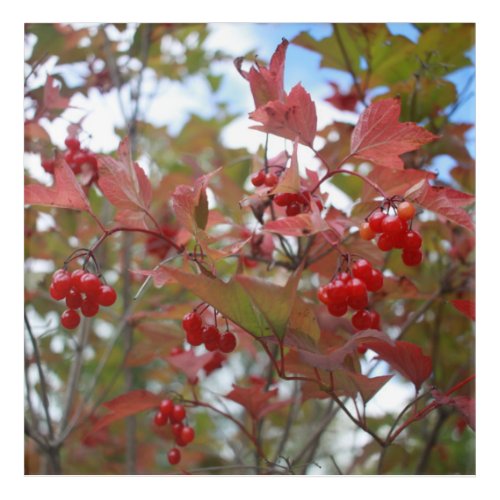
column 208, row 335
column 351, row 290
column 261, row 178
column 395, row 231
column 295, row 203
column 81, row 290
column 183, row 434
column 79, row 160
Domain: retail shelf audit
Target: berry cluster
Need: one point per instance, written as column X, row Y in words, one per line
column 295, row 203
column 208, row 335
column 79, row 160
column 261, row 178
column 182, row 433
column 350, row 290
column 395, row 230
column 81, row 290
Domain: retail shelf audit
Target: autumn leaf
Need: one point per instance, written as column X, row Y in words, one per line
column 126, row 186
column 289, row 182
column 125, row 405
column 52, row 98
column 379, row 137
column 444, row 201
column 189, row 363
column 467, row 307
column 294, row 118
column 256, row 400
column 406, row 358
column 266, row 84
column 66, row 192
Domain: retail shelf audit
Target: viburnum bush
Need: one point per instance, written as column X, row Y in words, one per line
column 195, row 308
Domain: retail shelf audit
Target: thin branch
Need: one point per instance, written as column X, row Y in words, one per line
column 424, row 459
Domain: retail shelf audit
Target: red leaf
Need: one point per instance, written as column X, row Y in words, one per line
column 189, row 363
column 404, row 357
column 444, row 201
column 188, row 201
column 344, row 102
column 298, row 225
column 52, row 98
column 125, row 405
column 379, row 137
column 290, row 179
column 266, row 84
column 255, row 400
column 66, row 192
column 463, row 404
column 467, row 307
column 294, row 118
column 126, row 186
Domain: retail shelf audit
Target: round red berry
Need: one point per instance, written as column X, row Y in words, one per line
column 271, row 179
column 358, row 302
column 177, row 429
column 356, row 288
column 62, row 282
column 70, row 319
column 375, row 282
column 385, row 242
column 375, row 221
column 73, row 299
column 75, row 279
column 337, row 309
column 293, row 209
column 177, row 414
column 322, row 295
column 174, row 456
column 72, row 143
column 187, row 434
column 166, row 406
column 361, row 320
column 283, row 199
column 374, row 320
column 48, row 165
column 337, row 292
column 227, row 342
column 392, row 224
column 106, row 296
column 412, row 240
column 343, row 276
column 160, row 419
column 406, row 210
column 362, row 269
column 412, row 257
column 90, row 284
column 55, row 293
column 366, row 232
column 211, row 337
column 89, row 307
column 192, row 321
column 194, row 337
column 258, row 179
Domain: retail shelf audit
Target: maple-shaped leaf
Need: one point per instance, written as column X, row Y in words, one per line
column 256, row 400
column 406, row 358
column 189, row 363
column 266, row 84
column 52, row 98
column 289, row 181
column 379, row 137
column 126, row 186
column 66, row 192
column 293, row 118
column 191, row 205
column 467, row 307
column 125, row 405
column 444, row 201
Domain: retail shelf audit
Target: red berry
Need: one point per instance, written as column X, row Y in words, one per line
column 55, row 293
column 322, row 295
column 337, row 309
column 69, row 156
column 179, row 441
column 227, row 342
column 293, row 209
column 412, row 257
column 362, row 269
column 412, row 240
column 398, row 240
column 374, row 320
column 258, row 178
column 271, row 179
column 107, row 295
column 70, row 319
column 89, row 307
column 91, row 160
column 337, row 292
column 356, row 288
column 72, row 143
column 194, row 337
column 361, row 320
column 385, row 242
column 211, row 337
column 187, row 434
column 343, row 276
column 392, row 224
column 166, row 406
column 62, row 282
column 90, row 284
column 192, row 321
column 73, row 299
column 406, row 210
column 48, row 165
column 375, row 281
column 366, row 232
column 375, row 221
column 174, row 456
column 160, row 419
column 283, row 199
column 177, row 414
column 75, row 279
column 177, row 429
column 358, row 302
